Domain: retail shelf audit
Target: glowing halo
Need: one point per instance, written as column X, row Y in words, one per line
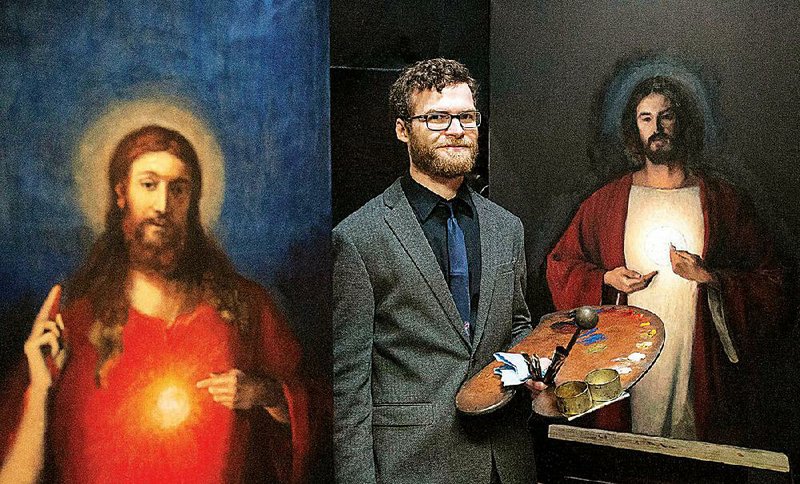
column 658, row 241
column 94, row 150
column 626, row 78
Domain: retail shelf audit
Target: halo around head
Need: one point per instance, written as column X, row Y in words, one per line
column 96, row 146
column 626, row 79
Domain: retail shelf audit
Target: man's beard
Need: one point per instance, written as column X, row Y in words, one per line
column 160, row 252
column 670, row 153
column 439, row 163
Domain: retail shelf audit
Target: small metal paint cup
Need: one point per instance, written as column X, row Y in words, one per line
column 573, row 397
column 604, row 384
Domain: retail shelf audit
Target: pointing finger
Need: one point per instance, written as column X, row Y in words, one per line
column 684, row 254
column 221, row 389
column 50, row 303
column 213, row 381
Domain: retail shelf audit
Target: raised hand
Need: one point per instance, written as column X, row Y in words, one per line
column 44, row 340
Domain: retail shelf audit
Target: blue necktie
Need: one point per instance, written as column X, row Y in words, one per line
column 459, row 268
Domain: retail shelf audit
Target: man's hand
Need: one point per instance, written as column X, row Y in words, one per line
column 45, row 338
column 626, row 280
column 534, row 387
column 689, row 266
column 235, row 389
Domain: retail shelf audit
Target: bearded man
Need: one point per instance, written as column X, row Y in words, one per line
column 166, row 364
column 428, row 284
column 674, row 240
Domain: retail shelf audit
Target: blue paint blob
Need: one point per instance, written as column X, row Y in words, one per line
column 595, row 338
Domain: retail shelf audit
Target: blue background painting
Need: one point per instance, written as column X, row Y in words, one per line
column 255, row 72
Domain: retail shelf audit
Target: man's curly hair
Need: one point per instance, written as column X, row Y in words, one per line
column 423, row 75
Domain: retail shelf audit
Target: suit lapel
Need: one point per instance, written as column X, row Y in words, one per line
column 490, row 250
column 403, row 223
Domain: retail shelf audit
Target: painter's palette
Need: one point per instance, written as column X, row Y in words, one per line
column 626, row 338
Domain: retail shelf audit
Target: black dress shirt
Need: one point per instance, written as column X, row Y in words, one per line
column 432, row 214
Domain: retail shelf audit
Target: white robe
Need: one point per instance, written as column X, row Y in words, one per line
column 661, row 403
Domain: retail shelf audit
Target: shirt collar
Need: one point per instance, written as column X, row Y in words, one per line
column 424, row 201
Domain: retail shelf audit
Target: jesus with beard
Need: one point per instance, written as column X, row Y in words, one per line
column 687, row 247
column 164, row 364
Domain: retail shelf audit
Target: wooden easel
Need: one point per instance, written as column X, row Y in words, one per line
column 575, row 454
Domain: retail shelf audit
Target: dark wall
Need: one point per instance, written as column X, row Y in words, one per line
column 370, row 43
column 551, row 63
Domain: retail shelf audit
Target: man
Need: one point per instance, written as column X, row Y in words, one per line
column 684, row 245
column 428, row 284
column 171, row 352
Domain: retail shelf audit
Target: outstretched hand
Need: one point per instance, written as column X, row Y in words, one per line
column 235, row 389
column 45, row 338
column 626, row 280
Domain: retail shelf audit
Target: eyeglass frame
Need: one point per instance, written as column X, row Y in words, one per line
column 425, row 116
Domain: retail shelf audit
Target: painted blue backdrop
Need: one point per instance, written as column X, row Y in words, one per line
column 255, row 72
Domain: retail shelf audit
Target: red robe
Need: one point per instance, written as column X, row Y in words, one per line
column 735, row 248
column 149, row 423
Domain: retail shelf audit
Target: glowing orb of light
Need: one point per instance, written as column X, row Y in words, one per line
column 658, row 241
column 172, row 407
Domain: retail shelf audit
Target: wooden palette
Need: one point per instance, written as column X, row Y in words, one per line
column 626, row 338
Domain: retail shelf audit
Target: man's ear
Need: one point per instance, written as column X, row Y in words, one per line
column 119, row 189
column 401, row 130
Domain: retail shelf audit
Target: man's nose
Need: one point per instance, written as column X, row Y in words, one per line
column 455, row 128
column 161, row 201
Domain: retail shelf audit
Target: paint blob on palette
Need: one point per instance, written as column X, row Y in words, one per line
column 636, row 357
column 633, row 357
column 596, row 348
column 563, row 327
column 591, row 337
column 622, row 370
column 648, row 334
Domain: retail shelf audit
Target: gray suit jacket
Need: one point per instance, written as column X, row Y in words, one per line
column 400, row 355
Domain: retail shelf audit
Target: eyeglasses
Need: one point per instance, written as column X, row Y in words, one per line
column 441, row 121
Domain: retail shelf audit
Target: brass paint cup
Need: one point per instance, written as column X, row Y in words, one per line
column 604, row 384
column 573, row 397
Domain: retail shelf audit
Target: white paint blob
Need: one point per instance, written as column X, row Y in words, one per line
column 636, row 357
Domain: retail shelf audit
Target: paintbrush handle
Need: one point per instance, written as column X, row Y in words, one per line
column 558, row 360
column 572, row 341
